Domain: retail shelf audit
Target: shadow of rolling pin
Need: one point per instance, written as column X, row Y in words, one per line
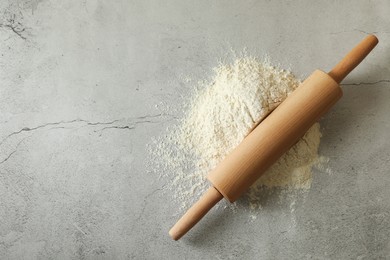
column 274, row 136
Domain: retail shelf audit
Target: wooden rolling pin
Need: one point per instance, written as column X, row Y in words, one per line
column 274, row 136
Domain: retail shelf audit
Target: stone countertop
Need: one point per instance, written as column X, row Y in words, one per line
column 82, row 86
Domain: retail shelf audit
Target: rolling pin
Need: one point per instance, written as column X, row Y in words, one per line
column 274, row 136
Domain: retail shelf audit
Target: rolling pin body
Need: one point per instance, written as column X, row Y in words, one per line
column 275, row 135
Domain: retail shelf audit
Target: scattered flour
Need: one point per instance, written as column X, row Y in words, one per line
column 220, row 114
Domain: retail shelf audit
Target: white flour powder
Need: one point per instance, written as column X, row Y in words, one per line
column 220, row 115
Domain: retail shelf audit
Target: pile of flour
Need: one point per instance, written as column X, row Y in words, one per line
column 220, row 113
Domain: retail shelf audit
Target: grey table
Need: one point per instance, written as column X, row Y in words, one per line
column 80, row 81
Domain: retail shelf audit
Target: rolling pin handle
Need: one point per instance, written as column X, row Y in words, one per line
column 353, row 58
column 195, row 213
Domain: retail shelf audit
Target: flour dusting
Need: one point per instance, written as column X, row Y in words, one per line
column 220, row 114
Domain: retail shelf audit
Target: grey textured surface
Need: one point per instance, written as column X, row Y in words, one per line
column 79, row 85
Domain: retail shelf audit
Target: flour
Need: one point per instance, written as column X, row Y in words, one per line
column 221, row 113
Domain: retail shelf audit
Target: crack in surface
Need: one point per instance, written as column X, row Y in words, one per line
column 130, row 127
column 27, row 129
column 14, row 151
column 17, row 27
column 15, row 30
column 358, row 30
column 88, row 123
column 149, row 116
column 118, row 127
column 355, row 30
column 366, row 83
column 9, row 156
column 144, row 202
